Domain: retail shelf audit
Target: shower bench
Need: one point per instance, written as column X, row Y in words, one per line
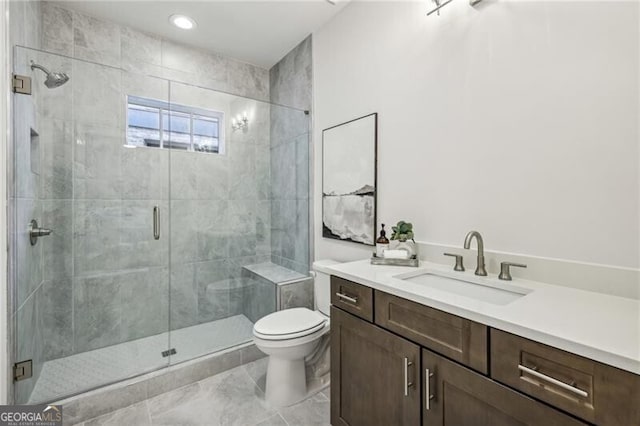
column 293, row 289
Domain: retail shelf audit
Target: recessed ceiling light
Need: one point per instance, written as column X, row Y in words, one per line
column 182, row 21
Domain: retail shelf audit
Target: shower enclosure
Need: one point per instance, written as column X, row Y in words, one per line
column 171, row 209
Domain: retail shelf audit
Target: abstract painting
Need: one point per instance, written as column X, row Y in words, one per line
column 349, row 180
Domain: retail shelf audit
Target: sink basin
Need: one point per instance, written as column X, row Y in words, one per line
column 480, row 289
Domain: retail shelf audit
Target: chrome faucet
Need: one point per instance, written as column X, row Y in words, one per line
column 480, row 270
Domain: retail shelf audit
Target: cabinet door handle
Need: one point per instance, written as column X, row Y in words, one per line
column 427, row 389
column 556, row 382
column 156, row 222
column 349, row 299
column 407, row 383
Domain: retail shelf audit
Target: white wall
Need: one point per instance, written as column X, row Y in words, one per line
column 518, row 119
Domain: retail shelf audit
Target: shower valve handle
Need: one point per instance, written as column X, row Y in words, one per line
column 35, row 232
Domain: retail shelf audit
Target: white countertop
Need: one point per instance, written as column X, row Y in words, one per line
column 594, row 325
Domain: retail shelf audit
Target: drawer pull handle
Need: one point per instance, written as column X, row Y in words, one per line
column 427, row 389
column 407, row 383
column 556, row 382
column 349, row 299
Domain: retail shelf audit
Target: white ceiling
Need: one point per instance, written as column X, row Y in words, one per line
column 257, row 32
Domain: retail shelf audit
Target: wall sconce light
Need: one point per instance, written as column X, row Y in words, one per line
column 440, row 5
column 241, row 122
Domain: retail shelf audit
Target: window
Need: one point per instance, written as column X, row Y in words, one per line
column 158, row 124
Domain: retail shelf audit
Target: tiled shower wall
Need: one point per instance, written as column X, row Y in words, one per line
column 83, row 37
column 115, row 189
column 290, row 84
column 220, row 222
column 33, row 298
column 100, row 278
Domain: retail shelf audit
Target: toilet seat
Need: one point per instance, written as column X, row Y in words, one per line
column 289, row 324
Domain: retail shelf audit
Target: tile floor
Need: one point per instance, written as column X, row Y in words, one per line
column 235, row 397
column 76, row 373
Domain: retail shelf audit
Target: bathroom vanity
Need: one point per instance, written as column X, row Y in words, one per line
column 406, row 352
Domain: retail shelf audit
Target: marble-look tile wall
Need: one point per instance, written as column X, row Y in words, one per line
column 84, row 37
column 100, row 196
column 98, row 278
column 291, row 79
column 291, row 85
column 220, row 217
column 106, row 277
column 101, row 278
column 110, row 191
column 29, row 306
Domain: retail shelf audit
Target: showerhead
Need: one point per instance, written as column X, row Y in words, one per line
column 54, row 79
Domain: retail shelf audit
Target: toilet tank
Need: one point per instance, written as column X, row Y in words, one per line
column 322, row 284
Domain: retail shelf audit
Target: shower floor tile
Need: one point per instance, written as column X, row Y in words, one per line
column 77, row 373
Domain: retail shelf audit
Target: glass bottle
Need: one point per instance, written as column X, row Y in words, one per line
column 382, row 243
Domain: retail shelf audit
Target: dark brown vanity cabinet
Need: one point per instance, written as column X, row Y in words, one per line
column 395, row 362
column 374, row 374
column 380, row 378
column 457, row 396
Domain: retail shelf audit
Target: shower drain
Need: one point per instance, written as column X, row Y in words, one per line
column 168, row 352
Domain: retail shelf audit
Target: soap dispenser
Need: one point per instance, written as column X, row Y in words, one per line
column 382, row 243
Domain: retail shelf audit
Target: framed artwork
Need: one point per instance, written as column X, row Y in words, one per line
column 349, row 157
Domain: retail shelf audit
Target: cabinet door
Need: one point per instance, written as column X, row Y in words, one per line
column 374, row 374
column 456, row 396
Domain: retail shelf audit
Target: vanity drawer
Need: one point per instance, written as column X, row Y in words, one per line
column 595, row 392
column 351, row 297
column 460, row 339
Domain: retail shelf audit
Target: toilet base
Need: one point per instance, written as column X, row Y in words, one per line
column 291, row 381
column 286, row 381
column 279, row 394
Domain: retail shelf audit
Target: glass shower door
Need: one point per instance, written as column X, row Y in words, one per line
column 90, row 299
column 214, row 207
column 239, row 215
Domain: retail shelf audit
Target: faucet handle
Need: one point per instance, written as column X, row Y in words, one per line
column 505, row 272
column 459, row 259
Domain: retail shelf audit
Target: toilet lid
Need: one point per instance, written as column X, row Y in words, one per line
column 289, row 323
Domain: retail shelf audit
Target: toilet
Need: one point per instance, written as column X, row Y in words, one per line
column 291, row 336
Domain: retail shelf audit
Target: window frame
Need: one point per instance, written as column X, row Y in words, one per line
column 168, row 108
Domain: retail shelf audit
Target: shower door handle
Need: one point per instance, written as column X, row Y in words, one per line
column 156, row 222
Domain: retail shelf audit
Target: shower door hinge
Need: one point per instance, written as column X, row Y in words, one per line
column 21, row 84
column 22, row 370
column 166, row 353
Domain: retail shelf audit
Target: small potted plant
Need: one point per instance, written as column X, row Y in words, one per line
column 403, row 232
